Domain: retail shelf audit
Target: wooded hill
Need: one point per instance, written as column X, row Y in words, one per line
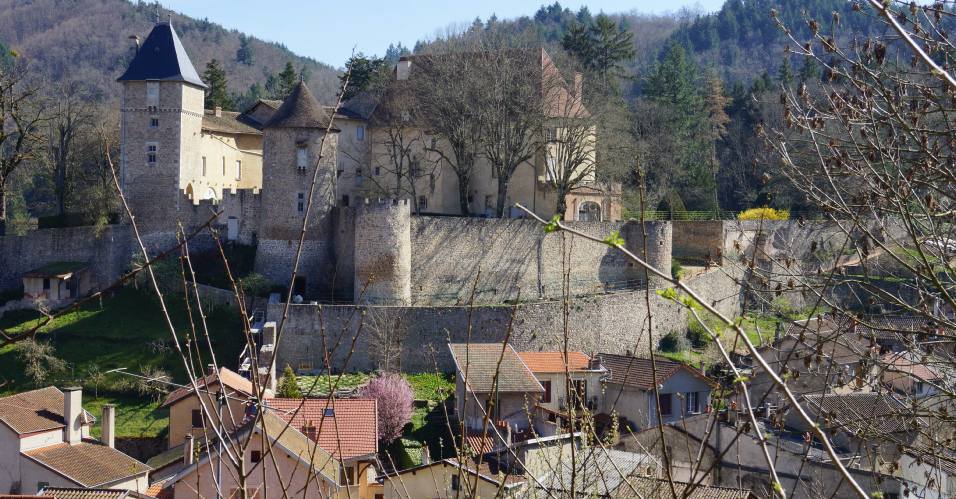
column 88, row 40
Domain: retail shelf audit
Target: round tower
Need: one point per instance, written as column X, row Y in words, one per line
column 659, row 247
column 383, row 252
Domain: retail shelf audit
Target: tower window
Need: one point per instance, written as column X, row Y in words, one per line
column 302, row 158
column 301, row 203
column 360, row 133
column 154, row 122
column 378, row 170
column 151, row 148
column 152, row 94
column 238, row 169
column 223, row 166
column 203, row 166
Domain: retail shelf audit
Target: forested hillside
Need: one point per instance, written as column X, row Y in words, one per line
column 88, row 40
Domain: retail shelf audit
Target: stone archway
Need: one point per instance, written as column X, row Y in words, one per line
column 589, row 211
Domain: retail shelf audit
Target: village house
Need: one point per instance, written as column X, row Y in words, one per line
column 347, row 428
column 629, row 389
column 58, row 283
column 196, row 414
column 68, row 493
column 45, row 442
column 452, row 478
column 553, row 370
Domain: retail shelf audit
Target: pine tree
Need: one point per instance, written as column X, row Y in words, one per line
column 365, row 73
column 785, row 73
column 217, row 93
column 288, row 387
column 279, row 86
column 809, row 71
column 603, row 47
column 244, row 53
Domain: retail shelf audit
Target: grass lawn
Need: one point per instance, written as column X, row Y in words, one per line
column 432, row 386
column 125, row 330
column 318, row 386
column 135, row 417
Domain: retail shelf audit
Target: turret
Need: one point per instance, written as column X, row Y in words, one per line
column 659, row 248
column 160, row 122
column 383, row 253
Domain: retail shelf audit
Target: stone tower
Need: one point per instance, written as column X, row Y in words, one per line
column 160, row 124
column 292, row 149
column 383, row 252
column 659, row 248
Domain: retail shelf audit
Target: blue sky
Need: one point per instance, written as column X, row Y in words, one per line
column 327, row 31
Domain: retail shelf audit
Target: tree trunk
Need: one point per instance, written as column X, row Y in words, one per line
column 502, row 192
column 3, row 209
column 463, row 195
column 562, row 203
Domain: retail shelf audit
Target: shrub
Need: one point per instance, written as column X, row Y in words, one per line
column 395, row 397
column 673, row 342
column 677, row 270
column 764, row 214
column 697, row 334
column 288, row 386
column 255, row 284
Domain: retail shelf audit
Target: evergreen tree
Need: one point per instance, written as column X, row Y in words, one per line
column 365, row 73
column 244, row 53
column 288, row 387
column 716, row 108
column 279, row 86
column 809, row 71
column 217, row 93
column 603, row 47
column 785, row 73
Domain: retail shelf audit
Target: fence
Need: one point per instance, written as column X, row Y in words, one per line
column 708, row 215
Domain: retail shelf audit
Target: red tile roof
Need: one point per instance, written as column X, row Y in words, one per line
column 89, row 464
column 636, row 371
column 554, row 362
column 352, row 427
column 35, row 410
column 231, row 379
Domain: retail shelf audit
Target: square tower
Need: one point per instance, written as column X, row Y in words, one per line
column 160, row 125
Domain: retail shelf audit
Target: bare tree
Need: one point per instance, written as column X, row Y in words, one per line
column 387, row 330
column 20, row 136
column 71, row 116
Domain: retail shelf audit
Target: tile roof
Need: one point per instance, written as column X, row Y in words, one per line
column 162, row 57
column 598, row 471
column 57, row 269
column 480, row 360
column 66, row 493
column 554, row 362
column 353, row 423
column 300, row 446
column 656, row 487
column 33, row 411
column 299, row 110
column 228, row 377
column 636, row 371
column 88, row 464
column 483, row 471
column 228, row 122
column 860, row 412
column 904, row 365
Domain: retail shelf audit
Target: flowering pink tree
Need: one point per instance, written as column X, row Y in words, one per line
column 394, row 396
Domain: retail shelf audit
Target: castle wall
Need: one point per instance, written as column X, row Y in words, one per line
column 108, row 250
column 517, row 259
column 612, row 323
column 699, row 240
column 382, row 252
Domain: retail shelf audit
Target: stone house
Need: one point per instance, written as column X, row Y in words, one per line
column 294, row 467
column 553, row 370
column 493, row 383
column 345, row 428
column 629, row 390
column 191, row 413
column 58, row 283
column 45, row 442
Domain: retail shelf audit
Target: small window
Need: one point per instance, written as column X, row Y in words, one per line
column 919, row 387
column 197, row 418
column 552, row 134
column 434, row 143
column 345, row 199
column 378, row 170
column 301, row 203
column 302, row 158
column 664, row 401
column 346, row 475
column 693, row 404
column 203, row 166
column 546, row 398
column 152, row 94
column 42, row 485
column 329, row 412
column 360, row 133
column 238, row 170
column 151, row 149
column 255, row 456
column 455, row 482
column 488, row 202
column 422, row 202
column 154, row 122
column 46, row 284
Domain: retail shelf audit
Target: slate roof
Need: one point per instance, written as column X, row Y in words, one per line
column 228, row 377
column 637, row 372
column 162, row 57
column 554, row 362
column 656, row 487
column 34, row 411
column 598, row 471
column 299, row 110
column 860, row 412
column 65, row 493
column 227, row 123
column 88, row 464
column 352, row 424
column 57, row 269
column 481, row 362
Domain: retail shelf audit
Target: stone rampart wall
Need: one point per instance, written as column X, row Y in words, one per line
column 699, row 240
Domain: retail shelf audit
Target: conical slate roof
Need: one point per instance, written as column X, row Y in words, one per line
column 162, row 57
column 299, row 110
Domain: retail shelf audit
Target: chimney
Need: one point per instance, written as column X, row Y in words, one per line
column 135, row 39
column 210, row 369
column 189, row 450
column 218, row 111
column 72, row 410
column 267, row 352
column 578, row 84
column 403, row 68
column 108, row 436
column 310, row 431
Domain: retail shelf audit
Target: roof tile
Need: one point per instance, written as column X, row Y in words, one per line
column 88, row 463
column 481, row 362
column 352, row 424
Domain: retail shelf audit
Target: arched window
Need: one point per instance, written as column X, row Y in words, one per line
column 589, row 212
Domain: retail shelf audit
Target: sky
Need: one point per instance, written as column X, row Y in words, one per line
column 328, row 31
